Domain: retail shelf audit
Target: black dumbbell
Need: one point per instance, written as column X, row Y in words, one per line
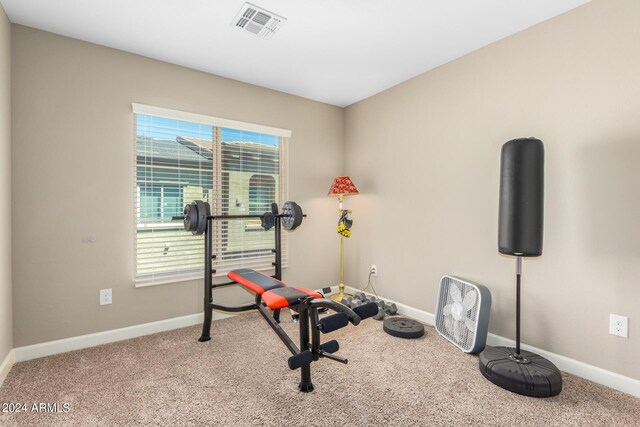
column 381, row 306
column 360, row 296
column 346, row 301
column 384, row 309
column 391, row 308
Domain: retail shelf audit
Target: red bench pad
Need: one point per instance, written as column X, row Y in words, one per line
column 255, row 281
column 275, row 294
column 285, row 297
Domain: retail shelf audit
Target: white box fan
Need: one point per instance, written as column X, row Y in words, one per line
column 462, row 313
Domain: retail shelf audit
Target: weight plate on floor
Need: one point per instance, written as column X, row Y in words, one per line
column 402, row 327
column 291, row 215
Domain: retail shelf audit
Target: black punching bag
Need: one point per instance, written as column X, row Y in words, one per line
column 520, row 220
column 520, row 224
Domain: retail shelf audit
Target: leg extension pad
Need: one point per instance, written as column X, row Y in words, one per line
column 333, row 322
column 301, row 359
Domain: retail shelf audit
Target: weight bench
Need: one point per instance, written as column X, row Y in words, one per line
column 273, row 294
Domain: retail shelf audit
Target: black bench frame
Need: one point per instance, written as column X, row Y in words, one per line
column 310, row 347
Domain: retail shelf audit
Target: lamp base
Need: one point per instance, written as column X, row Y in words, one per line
column 341, row 293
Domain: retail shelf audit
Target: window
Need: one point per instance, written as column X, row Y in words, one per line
column 238, row 168
column 262, row 191
column 160, row 201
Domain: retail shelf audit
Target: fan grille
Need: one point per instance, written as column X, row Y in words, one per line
column 455, row 330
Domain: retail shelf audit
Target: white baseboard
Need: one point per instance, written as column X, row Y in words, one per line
column 6, row 365
column 91, row 340
column 592, row 373
column 572, row 366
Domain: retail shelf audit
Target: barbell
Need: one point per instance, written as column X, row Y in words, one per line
column 196, row 214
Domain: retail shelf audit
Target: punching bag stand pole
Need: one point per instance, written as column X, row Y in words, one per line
column 518, row 357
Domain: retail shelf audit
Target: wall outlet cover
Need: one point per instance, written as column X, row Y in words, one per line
column 105, row 296
column 619, row 325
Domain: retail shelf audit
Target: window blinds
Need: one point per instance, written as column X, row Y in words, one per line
column 238, row 168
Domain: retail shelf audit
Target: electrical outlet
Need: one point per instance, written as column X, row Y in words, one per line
column 619, row 325
column 105, row 296
column 373, row 270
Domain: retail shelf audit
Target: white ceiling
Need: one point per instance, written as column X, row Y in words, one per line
column 333, row 51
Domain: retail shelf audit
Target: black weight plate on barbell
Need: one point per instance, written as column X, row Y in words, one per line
column 268, row 220
column 186, row 219
column 202, row 217
column 402, row 327
column 287, row 216
column 207, row 211
column 195, row 223
column 190, row 213
column 291, row 215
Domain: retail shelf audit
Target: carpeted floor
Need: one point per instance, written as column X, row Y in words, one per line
column 241, row 378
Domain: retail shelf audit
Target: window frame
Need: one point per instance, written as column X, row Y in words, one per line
column 160, row 112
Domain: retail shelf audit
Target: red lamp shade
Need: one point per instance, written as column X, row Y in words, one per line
column 342, row 186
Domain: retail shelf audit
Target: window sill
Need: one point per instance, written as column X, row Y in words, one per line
column 141, row 283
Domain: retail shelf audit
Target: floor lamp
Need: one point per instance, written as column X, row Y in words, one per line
column 342, row 186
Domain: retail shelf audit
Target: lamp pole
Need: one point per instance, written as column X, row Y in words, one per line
column 342, row 186
column 340, row 294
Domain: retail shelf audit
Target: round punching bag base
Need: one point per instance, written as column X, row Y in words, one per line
column 531, row 375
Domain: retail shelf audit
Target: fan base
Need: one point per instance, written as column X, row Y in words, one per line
column 529, row 374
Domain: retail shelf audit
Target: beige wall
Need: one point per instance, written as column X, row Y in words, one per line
column 6, row 328
column 73, row 176
column 426, row 153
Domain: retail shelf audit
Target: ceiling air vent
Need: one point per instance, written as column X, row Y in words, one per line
column 258, row 21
